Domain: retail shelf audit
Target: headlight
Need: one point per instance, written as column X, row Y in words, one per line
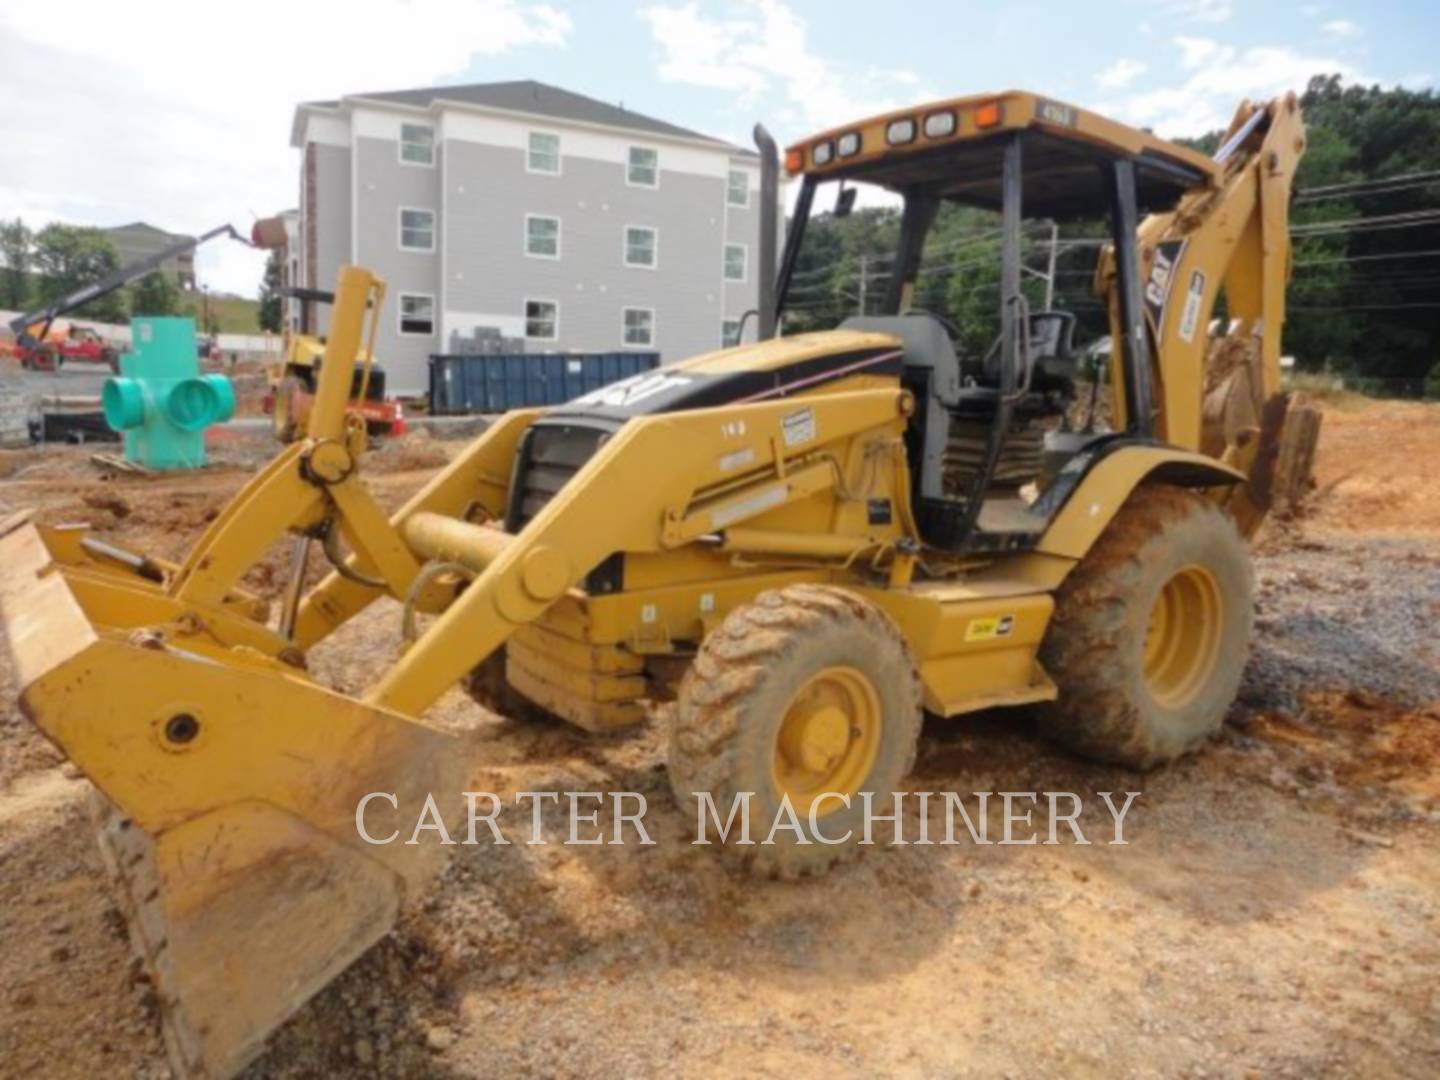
column 940, row 124
column 899, row 132
column 822, row 153
column 848, row 145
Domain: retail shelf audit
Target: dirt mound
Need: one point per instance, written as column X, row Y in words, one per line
column 409, row 453
column 1376, row 468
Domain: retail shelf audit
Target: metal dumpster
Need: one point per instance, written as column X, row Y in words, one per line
column 461, row 384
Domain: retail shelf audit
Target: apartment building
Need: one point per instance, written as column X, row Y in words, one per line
column 139, row 240
column 529, row 211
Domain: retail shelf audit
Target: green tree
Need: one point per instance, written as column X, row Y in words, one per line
column 1364, row 299
column 15, row 250
column 268, row 314
column 154, row 294
column 69, row 256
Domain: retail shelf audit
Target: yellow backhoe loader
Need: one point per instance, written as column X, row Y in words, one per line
column 810, row 542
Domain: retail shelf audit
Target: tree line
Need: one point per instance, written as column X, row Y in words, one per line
column 1364, row 299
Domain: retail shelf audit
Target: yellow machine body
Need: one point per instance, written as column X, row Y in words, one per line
column 230, row 778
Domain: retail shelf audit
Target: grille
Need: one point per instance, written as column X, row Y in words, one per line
column 551, row 455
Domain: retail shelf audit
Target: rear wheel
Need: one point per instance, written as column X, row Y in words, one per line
column 1151, row 632
column 805, row 694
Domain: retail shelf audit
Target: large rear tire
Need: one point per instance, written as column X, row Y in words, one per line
column 805, row 691
column 1151, row 632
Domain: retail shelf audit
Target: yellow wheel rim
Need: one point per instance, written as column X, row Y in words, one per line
column 1182, row 641
column 828, row 738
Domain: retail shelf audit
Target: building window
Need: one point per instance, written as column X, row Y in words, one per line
column 639, row 326
column 417, row 144
column 417, row 229
column 544, row 153
column 643, row 168
column 542, row 320
column 641, row 246
column 542, row 236
column 737, row 188
column 729, row 333
column 735, row 258
column 417, row 314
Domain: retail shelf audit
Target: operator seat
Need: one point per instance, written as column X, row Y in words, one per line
column 931, row 371
column 1050, row 365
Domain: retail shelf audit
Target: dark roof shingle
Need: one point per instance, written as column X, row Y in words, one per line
column 529, row 96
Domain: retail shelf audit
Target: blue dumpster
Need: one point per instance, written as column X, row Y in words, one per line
column 495, row 383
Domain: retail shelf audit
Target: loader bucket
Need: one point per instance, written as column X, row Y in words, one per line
column 228, row 785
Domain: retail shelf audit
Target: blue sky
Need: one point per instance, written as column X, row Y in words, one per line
column 147, row 110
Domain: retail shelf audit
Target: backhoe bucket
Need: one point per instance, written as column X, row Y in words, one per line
column 229, row 784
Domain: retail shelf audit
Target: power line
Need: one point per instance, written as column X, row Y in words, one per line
column 1369, row 258
column 1420, row 179
column 1367, row 223
column 1373, row 307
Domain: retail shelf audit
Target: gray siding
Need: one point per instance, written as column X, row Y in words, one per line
column 487, row 271
column 385, row 185
column 742, row 226
column 332, row 220
column 479, row 274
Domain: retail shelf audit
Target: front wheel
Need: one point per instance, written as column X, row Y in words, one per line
column 805, row 695
column 1151, row 632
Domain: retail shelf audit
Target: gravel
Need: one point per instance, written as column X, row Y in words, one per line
column 1345, row 612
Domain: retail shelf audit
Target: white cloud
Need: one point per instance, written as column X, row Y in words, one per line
column 1121, row 73
column 1341, row 28
column 1196, row 51
column 766, row 57
column 1206, row 11
column 1220, row 77
column 114, row 115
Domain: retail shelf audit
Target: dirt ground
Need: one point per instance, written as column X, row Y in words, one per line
column 1276, row 911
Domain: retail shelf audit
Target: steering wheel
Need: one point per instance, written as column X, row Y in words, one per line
column 950, row 327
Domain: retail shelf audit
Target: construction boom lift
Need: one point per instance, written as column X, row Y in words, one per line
column 32, row 343
column 810, row 542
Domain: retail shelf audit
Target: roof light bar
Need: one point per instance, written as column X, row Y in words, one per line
column 899, row 132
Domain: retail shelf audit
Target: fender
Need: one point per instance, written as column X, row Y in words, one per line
column 1102, row 482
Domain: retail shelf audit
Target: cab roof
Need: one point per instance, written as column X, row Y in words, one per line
column 954, row 149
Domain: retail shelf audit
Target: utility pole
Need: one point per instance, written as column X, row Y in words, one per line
column 864, row 280
column 1050, row 271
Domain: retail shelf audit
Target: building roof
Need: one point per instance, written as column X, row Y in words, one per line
column 145, row 227
column 536, row 98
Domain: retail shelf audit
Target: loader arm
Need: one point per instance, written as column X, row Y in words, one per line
column 652, row 486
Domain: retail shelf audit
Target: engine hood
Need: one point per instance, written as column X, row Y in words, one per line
column 760, row 372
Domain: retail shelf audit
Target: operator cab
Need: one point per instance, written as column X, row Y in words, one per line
column 977, row 438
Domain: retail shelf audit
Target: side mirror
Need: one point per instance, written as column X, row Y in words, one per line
column 845, row 201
